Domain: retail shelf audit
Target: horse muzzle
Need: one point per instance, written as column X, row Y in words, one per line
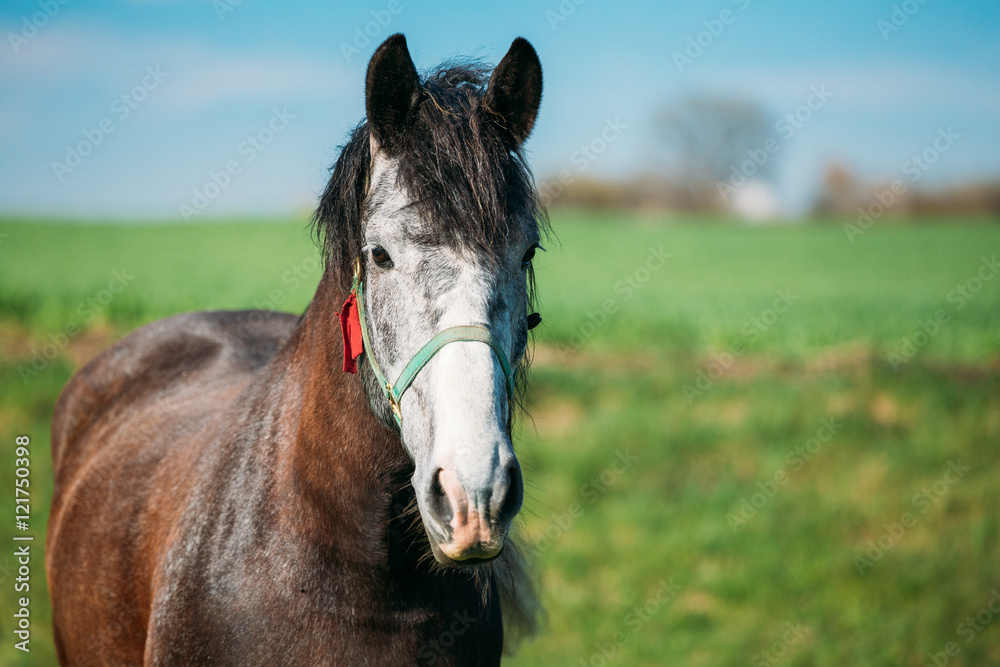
column 468, row 523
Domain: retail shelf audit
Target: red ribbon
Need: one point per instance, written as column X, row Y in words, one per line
column 350, row 326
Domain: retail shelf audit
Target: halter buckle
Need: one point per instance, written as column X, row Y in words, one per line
column 395, row 408
column 357, row 271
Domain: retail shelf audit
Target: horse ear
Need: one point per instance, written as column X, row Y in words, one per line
column 515, row 90
column 392, row 92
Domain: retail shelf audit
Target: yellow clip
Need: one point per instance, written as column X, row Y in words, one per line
column 392, row 401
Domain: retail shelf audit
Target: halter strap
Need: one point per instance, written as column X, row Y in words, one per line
column 464, row 333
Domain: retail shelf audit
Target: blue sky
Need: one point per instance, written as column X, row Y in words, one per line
column 225, row 67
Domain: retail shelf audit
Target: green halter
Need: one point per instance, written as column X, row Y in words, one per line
column 394, row 391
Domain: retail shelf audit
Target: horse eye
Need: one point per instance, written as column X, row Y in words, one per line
column 381, row 257
column 528, row 256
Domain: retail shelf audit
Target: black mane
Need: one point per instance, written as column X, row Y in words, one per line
column 468, row 178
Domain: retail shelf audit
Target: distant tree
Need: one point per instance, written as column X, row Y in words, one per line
column 839, row 193
column 714, row 142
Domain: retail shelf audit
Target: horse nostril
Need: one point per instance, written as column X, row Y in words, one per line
column 440, row 504
column 515, row 495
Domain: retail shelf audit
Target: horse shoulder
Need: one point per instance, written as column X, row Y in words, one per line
column 141, row 401
column 162, row 358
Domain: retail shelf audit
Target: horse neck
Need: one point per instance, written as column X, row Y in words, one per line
column 345, row 467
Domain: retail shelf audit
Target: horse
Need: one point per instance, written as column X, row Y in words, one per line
column 226, row 494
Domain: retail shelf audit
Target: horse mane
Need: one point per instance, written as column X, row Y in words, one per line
column 473, row 183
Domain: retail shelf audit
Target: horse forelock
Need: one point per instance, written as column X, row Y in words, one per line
column 458, row 166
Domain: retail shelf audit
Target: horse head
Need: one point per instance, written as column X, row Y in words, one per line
column 448, row 221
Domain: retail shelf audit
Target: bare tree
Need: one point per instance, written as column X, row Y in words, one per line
column 709, row 142
column 840, row 192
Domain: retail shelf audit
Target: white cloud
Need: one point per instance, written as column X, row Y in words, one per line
column 209, row 80
column 880, row 86
column 65, row 56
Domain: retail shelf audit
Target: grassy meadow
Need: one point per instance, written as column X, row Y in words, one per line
column 763, row 446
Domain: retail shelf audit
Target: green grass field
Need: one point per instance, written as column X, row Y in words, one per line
column 749, row 446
